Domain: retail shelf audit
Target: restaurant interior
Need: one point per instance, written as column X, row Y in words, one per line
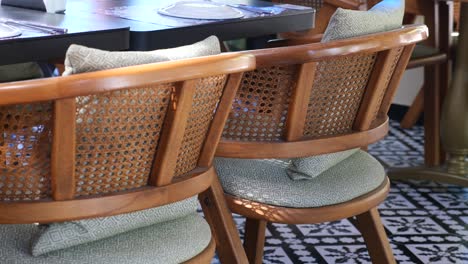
column 233, row 131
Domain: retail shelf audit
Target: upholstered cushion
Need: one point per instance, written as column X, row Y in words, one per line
column 169, row 242
column 310, row 167
column 266, row 181
column 20, row 71
column 63, row 235
column 386, row 15
column 83, row 59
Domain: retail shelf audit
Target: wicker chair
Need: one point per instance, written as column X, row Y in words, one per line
column 113, row 142
column 309, row 100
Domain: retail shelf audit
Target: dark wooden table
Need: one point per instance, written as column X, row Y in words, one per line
column 90, row 30
column 89, row 24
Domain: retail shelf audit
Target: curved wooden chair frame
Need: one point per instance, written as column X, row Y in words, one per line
column 294, row 137
column 165, row 183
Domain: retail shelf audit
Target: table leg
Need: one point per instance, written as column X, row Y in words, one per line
column 454, row 123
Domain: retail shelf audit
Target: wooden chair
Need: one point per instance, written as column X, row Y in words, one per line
column 309, row 100
column 118, row 141
column 324, row 9
column 432, row 54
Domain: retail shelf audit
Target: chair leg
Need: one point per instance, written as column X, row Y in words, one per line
column 228, row 243
column 372, row 230
column 414, row 111
column 254, row 239
column 432, row 100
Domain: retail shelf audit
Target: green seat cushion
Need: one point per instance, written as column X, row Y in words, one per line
column 169, row 242
column 20, row 71
column 63, row 235
column 266, row 181
column 310, row 167
column 422, row 51
column 386, row 15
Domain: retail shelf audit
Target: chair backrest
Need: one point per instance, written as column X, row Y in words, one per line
column 318, row 98
column 324, row 9
column 114, row 141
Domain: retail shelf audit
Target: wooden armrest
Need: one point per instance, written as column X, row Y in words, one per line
column 295, row 41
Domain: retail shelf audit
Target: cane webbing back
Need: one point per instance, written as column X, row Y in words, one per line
column 25, row 140
column 117, row 135
column 336, row 94
column 261, row 105
column 205, row 100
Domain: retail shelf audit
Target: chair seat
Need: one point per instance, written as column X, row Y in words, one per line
column 423, row 51
column 266, row 181
column 170, row 242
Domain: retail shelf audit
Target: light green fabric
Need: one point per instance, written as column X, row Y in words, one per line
column 310, row 167
column 63, row 235
column 83, row 59
column 20, row 71
column 386, row 15
column 266, row 181
column 169, row 242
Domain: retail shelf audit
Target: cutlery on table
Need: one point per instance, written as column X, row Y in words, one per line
column 40, row 27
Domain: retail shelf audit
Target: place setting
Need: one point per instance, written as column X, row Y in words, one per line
column 11, row 28
column 194, row 12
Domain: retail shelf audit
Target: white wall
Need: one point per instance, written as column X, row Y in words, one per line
column 409, row 87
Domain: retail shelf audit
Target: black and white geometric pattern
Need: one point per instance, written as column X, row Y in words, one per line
column 426, row 222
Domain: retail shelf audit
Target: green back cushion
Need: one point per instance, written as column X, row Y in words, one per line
column 386, row 15
column 20, row 71
column 83, row 59
column 311, row 167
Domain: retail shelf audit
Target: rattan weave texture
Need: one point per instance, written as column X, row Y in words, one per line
column 260, row 108
column 116, row 138
column 208, row 92
column 336, row 95
column 396, row 58
column 25, row 146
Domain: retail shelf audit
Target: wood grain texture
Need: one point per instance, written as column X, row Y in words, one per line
column 217, row 125
column 171, row 139
column 123, row 78
column 63, row 150
column 254, row 237
column 304, row 147
column 371, row 227
column 378, row 84
column 299, row 101
column 47, row 211
column 216, row 211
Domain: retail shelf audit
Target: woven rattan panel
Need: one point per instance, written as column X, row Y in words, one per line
column 25, row 145
column 336, row 95
column 207, row 94
column 317, row 4
column 116, row 138
column 260, row 108
column 387, row 80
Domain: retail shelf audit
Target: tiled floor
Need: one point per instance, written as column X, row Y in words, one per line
column 426, row 222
